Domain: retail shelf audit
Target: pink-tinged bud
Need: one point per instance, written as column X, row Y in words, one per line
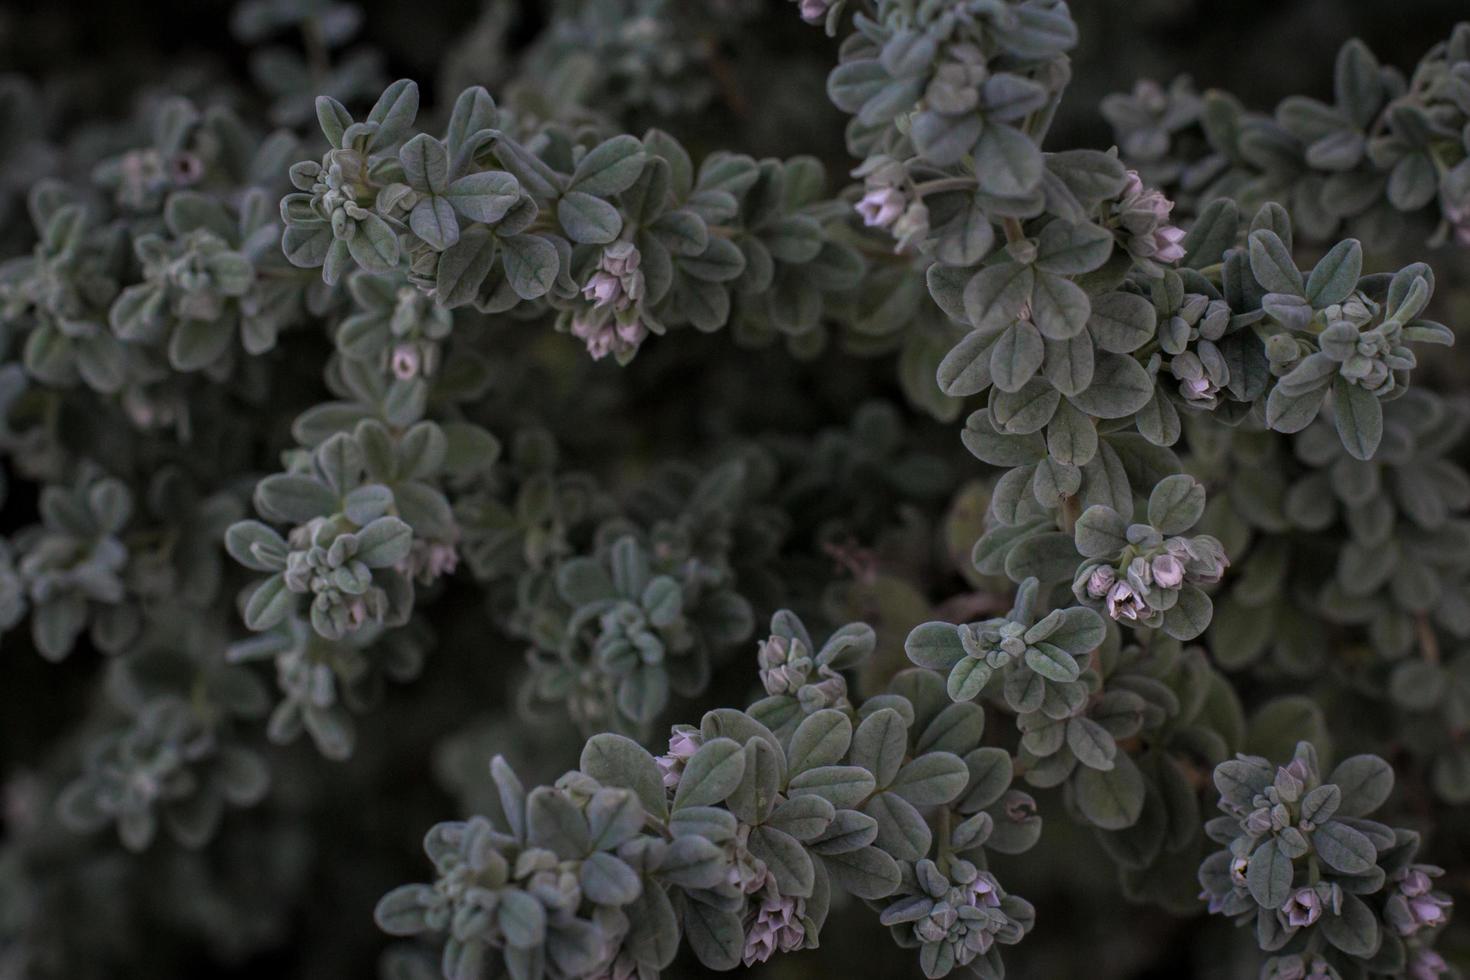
column 1168, row 243
column 1168, row 571
column 406, row 361
column 1303, row 908
column 357, row 612
column 443, row 559
column 814, row 12
column 984, row 891
column 683, row 743
column 1425, row 911
column 881, row 206
column 1101, row 581
column 1237, row 871
column 777, row 926
column 603, row 289
column 1427, row 965
column 1415, row 883
column 632, row 332
column 620, row 259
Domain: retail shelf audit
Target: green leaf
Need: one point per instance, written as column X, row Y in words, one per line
column 1091, row 743
column 842, row 786
column 1268, row 875
column 588, row 219
column 1176, row 504
column 1059, row 306
column 1272, row 264
column 933, row 779
column 1053, row 663
column 1120, row 386
column 879, row 744
column 1007, row 161
column 1122, row 322
column 902, row 831
column 967, row 679
column 1190, row 615
column 711, row 775
column 822, row 739
column 1016, row 356
column 965, row 370
column 1343, row 849
column 608, row 881
column 531, row 264
column 425, row 163
column 1356, row 931
column 1359, row 417
column 394, row 112
column 1365, row 781
column 485, row 197
column 934, row 645
column 1111, row 799
column 610, row 167
column 432, row 219
column 716, row 936
column 1067, row 249
column 785, row 858
column 1100, row 532
column 384, row 542
column 267, row 606
column 867, row 873
column 616, row 760
column 1335, row 276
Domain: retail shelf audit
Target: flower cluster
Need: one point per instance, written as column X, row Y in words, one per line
column 1302, row 860
column 1150, row 573
column 734, row 841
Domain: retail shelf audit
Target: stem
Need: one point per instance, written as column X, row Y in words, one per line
column 317, row 57
column 1014, row 232
column 1428, row 642
column 941, row 184
column 943, row 830
column 1071, row 510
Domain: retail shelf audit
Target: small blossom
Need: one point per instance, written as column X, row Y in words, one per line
column 1427, row 965
column 1303, row 908
column 1100, row 582
column 1124, row 602
column 683, row 743
column 777, row 925
column 1143, row 213
column 1168, row 571
column 1415, row 881
column 784, row 665
column 406, row 361
column 1425, row 912
column 881, row 206
column 814, row 12
column 602, row 289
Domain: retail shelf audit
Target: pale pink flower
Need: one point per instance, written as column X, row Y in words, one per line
column 1168, row 571
column 406, row 361
column 1303, row 908
column 683, row 743
column 602, row 289
column 881, row 206
column 776, row 926
column 1168, row 243
column 1427, row 965
column 815, row 11
column 1124, row 603
column 1101, row 581
column 1426, row 911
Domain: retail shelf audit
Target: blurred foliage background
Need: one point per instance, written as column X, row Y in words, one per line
column 288, row 891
